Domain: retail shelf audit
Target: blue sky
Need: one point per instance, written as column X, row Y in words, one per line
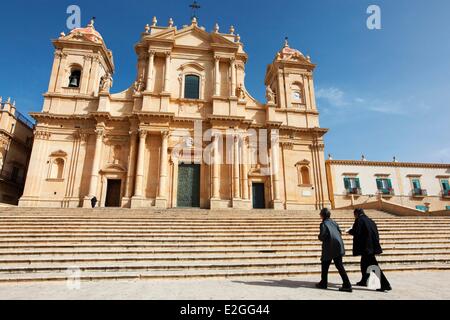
column 381, row 93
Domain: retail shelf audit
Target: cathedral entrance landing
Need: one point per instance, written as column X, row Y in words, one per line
column 188, row 186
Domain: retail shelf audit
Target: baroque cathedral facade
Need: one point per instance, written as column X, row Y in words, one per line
column 187, row 133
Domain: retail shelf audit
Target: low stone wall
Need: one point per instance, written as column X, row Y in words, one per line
column 396, row 209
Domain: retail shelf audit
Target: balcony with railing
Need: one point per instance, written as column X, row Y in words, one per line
column 446, row 194
column 354, row 191
column 419, row 193
column 386, row 192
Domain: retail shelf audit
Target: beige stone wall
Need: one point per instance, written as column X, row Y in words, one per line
column 16, row 138
column 131, row 136
column 401, row 175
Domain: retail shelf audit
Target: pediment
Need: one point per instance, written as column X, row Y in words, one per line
column 193, row 37
column 304, row 162
column 113, row 168
column 59, row 153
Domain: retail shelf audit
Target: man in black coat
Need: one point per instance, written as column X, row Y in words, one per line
column 366, row 243
column 332, row 250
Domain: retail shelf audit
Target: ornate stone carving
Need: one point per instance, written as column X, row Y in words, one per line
column 139, row 85
column 106, row 82
column 240, row 92
column 270, row 95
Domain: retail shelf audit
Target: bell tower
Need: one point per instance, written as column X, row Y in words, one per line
column 80, row 63
column 289, row 81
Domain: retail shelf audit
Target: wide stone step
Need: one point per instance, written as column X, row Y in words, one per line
column 199, row 230
column 195, row 244
column 202, row 257
column 122, row 250
column 210, row 265
column 203, row 274
column 200, row 238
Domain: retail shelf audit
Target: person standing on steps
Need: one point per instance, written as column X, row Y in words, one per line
column 366, row 243
column 332, row 250
column 94, row 202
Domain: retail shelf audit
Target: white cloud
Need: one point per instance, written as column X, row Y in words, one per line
column 334, row 96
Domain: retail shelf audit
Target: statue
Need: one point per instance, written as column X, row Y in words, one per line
column 139, row 85
column 240, row 93
column 270, row 95
column 106, row 82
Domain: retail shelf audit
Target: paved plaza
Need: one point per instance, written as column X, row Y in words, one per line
column 407, row 285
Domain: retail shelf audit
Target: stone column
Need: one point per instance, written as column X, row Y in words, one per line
column 217, row 76
column 216, row 169
column 56, row 66
column 62, row 81
column 236, row 165
column 93, row 186
column 131, row 166
column 139, row 183
column 162, row 200
column 36, row 173
column 167, row 72
column 151, row 64
column 244, row 178
column 275, row 155
column 85, row 75
column 233, row 76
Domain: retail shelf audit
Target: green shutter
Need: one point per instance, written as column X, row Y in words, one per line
column 445, row 184
column 379, row 184
column 390, row 183
column 347, row 183
column 358, row 183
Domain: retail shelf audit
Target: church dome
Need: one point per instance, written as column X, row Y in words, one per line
column 88, row 33
column 288, row 52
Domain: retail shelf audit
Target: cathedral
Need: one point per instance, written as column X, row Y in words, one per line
column 186, row 133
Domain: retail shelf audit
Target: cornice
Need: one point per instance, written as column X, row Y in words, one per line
column 389, row 164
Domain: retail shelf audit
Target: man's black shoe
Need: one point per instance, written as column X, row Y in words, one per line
column 321, row 286
column 384, row 289
column 346, row 289
column 361, row 284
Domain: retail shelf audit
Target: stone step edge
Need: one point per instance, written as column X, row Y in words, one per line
column 225, row 275
column 296, row 264
column 441, row 254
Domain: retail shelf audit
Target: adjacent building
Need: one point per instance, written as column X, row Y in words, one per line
column 423, row 186
column 186, row 133
column 16, row 139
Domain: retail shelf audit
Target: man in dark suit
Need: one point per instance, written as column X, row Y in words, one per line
column 366, row 243
column 332, row 250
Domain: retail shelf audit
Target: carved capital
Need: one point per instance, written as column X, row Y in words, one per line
column 143, row 133
column 152, row 53
column 100, row 132
column 165, row 134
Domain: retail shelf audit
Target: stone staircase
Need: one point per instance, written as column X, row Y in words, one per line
column 114, row 244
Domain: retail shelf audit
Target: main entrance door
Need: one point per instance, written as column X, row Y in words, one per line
column 113, row 193
column 188, row 186
column 259, row 199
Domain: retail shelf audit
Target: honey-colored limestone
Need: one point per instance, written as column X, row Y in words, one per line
column 16, row 138
column 183, row 134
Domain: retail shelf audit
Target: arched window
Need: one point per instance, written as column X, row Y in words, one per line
column 57, row 169
column 192, row 87
column 304, row 173
column 74, row 79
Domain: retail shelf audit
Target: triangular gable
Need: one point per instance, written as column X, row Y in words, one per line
column 193, row 36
